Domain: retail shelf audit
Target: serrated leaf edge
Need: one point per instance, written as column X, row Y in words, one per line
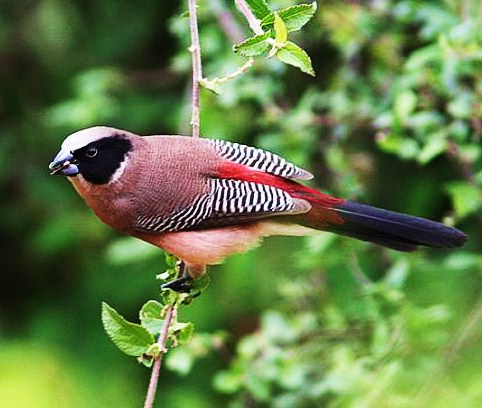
column 260, row 10
column 269, row 19
column 252, row 41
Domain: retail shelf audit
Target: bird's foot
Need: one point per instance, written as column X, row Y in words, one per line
column 187, row 284
column 181, row 285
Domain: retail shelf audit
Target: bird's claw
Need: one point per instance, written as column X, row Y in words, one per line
column 181, row 285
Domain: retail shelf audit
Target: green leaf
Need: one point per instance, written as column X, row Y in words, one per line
column 150, row 316
column 277, row 327
column 291, row 54
column 180, row 361
column 259, row 8
column 461, row 261
column 292, row 376
column 168, row 296
column 280, row 30
column 130, row 338
column 294, row 17
column 397, row 274
column 183, row 332
column 405, row 104
column 404, row 147
column 228, row 382
column 436, row 145
column 466, row 198
column 258, row 386
column 171, row 260
column 461, row 106
column 253, row 46
column 201, row 284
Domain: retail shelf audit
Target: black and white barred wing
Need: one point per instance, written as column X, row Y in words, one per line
column 229, row 202
column 260, row 160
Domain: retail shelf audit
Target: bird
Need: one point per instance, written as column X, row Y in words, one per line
column 203, row 200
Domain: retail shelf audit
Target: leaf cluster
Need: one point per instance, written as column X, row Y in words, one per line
column 276, row 25
column 139, row 340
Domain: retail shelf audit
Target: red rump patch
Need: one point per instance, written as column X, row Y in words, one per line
column 321, row 211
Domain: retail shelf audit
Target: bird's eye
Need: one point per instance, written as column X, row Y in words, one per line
column 91, row 152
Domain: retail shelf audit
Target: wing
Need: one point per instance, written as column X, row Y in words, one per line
column 259, row 159
column 245, row 184
column 229, row 202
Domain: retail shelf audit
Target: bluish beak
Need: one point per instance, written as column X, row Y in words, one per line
column 64, row 163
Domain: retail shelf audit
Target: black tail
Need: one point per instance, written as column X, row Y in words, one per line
column 394, row 230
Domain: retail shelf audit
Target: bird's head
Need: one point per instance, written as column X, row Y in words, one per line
column 99, row 154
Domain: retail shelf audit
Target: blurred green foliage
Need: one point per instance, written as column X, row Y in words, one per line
column 393, row 118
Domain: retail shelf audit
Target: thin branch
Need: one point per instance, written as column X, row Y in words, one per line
column 212, row 84
column 195, row 49
column 241, row 70
column 227, row 21
column 252, row 20
column 171, row 310
column 156, row 367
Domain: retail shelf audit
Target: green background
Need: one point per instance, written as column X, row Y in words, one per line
column 393, row 118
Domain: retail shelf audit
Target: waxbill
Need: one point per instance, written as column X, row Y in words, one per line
column 203, row 200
